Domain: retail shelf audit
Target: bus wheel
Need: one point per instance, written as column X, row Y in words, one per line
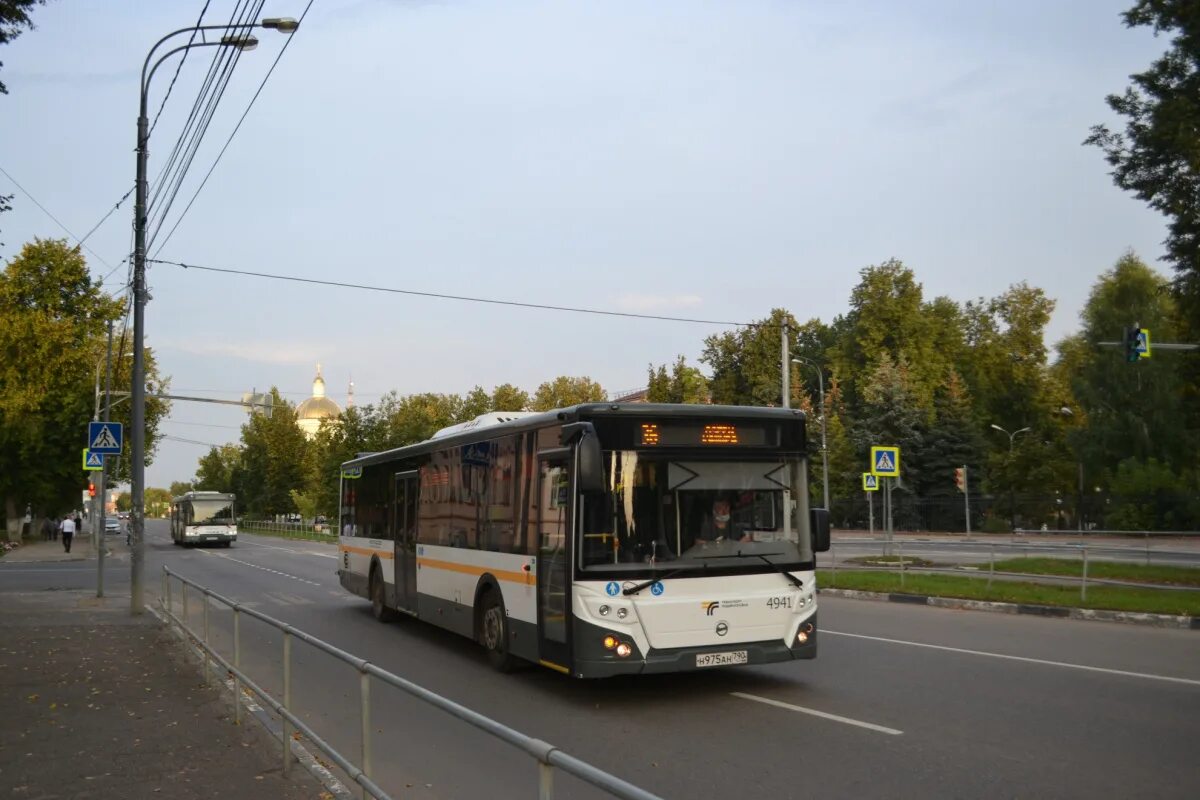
column 378, row 606
column 493, row 632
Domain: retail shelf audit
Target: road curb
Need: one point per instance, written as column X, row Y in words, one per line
column 304, row 756
column 1062, row 612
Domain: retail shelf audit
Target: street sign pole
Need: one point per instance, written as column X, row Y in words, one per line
column 101, row 485
column 871, row 513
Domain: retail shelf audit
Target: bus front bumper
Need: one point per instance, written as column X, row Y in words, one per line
column 592, row 660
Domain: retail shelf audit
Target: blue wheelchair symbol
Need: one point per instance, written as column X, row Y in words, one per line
column 657, row 588
column 612, row 589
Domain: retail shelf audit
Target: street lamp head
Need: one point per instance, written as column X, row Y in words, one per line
column 281, row 24
column 997, row 427
column 240, row 42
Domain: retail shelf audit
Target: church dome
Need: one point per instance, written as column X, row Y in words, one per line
column 311, row 412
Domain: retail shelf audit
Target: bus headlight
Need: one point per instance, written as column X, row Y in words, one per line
column 622, row 613
column 801, row 637
column 610, row 642
column 604, row 610
column 623, row 650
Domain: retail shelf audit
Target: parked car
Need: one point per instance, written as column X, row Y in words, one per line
column 111, row 526
column 123, row 515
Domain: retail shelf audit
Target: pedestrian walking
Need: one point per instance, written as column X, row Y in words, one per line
column 47, row 529
column 68, row 532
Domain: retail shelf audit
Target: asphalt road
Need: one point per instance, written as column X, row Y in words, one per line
column 902, row 701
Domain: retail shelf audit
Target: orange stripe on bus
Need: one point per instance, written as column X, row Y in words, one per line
column 469, row 569
column 366, row 551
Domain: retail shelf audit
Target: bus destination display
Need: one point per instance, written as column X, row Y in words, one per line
column 703, row 434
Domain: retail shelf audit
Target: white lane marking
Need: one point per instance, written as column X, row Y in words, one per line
column 1026, row 659
column 822, row 714
column 264, row 569
column 289, row 550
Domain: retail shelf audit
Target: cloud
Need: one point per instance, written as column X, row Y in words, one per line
column 658, row 302
column 258, row 351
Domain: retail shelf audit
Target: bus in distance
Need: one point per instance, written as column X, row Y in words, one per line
column 597, row 540
column 204, row 518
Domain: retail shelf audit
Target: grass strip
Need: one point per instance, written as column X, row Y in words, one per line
column 1113, row 598
column 1177, row 576
column 305, row 536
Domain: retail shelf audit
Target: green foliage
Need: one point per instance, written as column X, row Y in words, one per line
column 157, row 502
column 51, row 322
column 124, row 501
column 745, row 363
column 566, row 391
column 1149, row 495
column 507, row 397
column 217, row 469
column 180, row 487
column 684, row 385
column 273, row 460
column 14, row 18
column 1158, row 156
column 305, row 503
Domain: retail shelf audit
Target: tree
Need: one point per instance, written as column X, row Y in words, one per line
column 124, row 501
column 684, row 385
column 891, row 416
column 745, row 363
column 157, row 502
column 1132, row 410
column 217, row 469
column 180, row 487
column 51, row 320
column 14, row 18
column 274, row 460
column 950, row 442
column 507, row 397
column 1158, row 156
column 566, row 391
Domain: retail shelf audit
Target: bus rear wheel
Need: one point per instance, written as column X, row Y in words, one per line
column 493, row 632
column 378, row 607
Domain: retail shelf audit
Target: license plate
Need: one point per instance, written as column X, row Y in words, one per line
column 721, row 659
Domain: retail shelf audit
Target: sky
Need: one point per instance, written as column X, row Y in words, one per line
column 698, row 159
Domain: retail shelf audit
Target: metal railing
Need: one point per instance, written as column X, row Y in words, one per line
column 292, row 530
column 892, row 555
column 547, row 756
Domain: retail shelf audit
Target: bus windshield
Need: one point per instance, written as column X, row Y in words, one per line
column 215, row 511
column 690, row 512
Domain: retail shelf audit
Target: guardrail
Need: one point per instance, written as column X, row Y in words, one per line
column 547, row 756
column 895, row 548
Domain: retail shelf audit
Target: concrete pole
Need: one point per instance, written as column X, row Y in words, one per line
column 786, row 361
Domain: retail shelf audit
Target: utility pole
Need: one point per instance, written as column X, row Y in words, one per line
column 785, row 359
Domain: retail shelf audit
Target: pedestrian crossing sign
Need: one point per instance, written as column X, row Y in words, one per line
column 870, row 482
column 92, row 461
column 885, row 462
column 105, row 437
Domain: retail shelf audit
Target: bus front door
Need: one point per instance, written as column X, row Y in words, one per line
column 553, row 561
column 404, row 530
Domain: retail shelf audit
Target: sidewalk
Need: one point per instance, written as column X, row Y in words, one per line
column 38, row 550
column 99, row 704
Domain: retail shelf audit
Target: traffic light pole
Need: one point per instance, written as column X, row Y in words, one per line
column 102, row 484
column 966, row 499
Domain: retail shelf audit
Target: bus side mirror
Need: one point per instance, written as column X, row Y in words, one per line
column 591, row 460
column 818, row 520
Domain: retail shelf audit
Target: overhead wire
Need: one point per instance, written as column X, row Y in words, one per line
column 464, row 298
column 57, row 221
column 179, row 66
column 218, row 58
column 236, row 128
column 201, row 128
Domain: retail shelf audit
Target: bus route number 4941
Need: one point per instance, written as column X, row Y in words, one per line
column 787, row 601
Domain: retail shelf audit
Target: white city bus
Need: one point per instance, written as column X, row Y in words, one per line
column 204, row 518
column 597, row 540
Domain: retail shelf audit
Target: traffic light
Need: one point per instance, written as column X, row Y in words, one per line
column 91, row 490
column 1133, row 342
column 960, row 478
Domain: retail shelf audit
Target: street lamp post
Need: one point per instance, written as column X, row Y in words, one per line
column 1012, row 507
column 824, row 447
column 137, row 438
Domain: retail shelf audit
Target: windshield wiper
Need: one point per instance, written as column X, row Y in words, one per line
column 799, row 584
column 637, row 587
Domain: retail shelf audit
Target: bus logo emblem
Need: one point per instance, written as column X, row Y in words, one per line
column 710, row 606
